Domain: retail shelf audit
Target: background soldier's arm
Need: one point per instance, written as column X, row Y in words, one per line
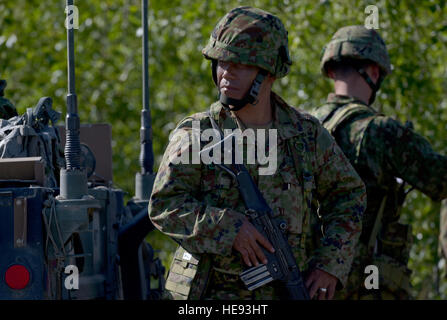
column 411, row 157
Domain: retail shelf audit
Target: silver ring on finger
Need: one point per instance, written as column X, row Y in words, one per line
column 323, row 290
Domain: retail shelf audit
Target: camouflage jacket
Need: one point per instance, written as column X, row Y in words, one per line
column 381, row 149
column 443, row 235
column 200, row 208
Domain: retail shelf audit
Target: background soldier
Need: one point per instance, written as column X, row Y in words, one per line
column 199, row 205
column 381, row 150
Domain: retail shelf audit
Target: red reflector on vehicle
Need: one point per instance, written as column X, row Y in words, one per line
column 17, row 276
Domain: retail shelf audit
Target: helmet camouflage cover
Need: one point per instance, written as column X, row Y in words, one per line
column 251, row 36
column 356, row 42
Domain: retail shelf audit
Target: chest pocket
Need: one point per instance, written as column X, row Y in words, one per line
column 300, row 153
column 291, row 204
column 219, row 189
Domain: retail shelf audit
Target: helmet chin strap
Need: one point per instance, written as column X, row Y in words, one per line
column 251, row 97
column 374, row 86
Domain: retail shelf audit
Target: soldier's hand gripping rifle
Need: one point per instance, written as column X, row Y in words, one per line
column 281, row 265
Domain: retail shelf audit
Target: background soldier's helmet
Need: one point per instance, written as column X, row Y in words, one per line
column 251, row 36
column 357, row 43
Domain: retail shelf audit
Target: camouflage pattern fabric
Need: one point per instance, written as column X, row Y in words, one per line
column 199, row 206
column 358, row 43
column 443, row 236
column 251, row 36
column 381, row 149
column 7, row 109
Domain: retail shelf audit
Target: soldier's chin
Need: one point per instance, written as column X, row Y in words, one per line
column 233, row 94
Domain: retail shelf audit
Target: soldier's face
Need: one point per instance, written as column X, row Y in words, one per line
column 235, row 79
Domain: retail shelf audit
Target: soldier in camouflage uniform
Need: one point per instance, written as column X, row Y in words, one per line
column 199, row 205
column 385, row 153
column 7, row 109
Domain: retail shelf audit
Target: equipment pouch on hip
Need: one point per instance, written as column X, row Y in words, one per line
column 395, row 240
column 188, row 276
column 394, row 278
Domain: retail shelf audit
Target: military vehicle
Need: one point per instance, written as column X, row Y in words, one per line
column 65, row 232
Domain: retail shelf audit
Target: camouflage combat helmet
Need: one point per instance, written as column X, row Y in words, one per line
column 358, row 43
column 254, row 37
column 251, row 36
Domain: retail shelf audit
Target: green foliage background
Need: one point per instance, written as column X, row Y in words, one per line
column 108, row 69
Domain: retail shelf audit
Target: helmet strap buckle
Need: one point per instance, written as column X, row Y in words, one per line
column 374, row 86
column 256, row 86
column 254, row 90
column 250, row 97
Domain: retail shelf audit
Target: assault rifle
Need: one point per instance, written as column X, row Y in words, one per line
column 281, row 265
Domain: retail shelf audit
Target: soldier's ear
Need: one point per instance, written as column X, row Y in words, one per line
column 373, row 71
column 330, row 73
column 270, row 79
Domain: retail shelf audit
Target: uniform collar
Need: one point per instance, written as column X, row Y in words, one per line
column 285, row 120
column 342, row 99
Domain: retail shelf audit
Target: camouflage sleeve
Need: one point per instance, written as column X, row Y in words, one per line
column 410, row 156
column 443, row 231
column 175, row 207
column 342, row 197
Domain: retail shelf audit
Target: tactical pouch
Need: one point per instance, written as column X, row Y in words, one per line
column 394, row 278
column 394, row 244
column 395, row 240
column 188, row 276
